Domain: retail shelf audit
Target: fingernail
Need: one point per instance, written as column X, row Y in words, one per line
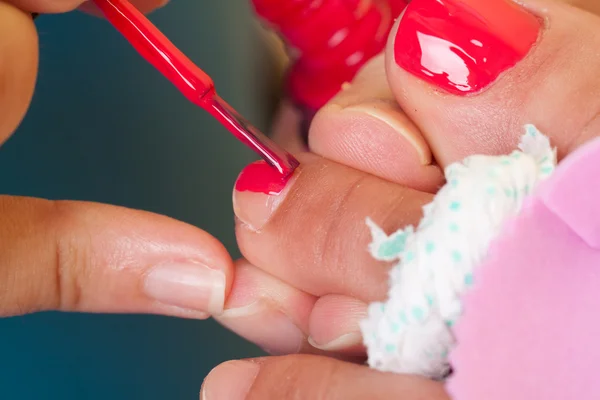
column 335, row 324
column 394, row 122
column 343, row 342
column 462, row 46
column 331, row 40
column 187, row 285
column 259, row 190
column 230, row 381
column 397, row 6
column 268, row 328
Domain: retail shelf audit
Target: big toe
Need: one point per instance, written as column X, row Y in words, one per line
column 471, row 73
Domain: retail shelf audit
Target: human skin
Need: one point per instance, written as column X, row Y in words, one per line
column 386, row 134
column 91, row 257
column 305, row 269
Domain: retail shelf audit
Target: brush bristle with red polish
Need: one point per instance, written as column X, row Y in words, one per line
column 196, row 85
column 272, row 154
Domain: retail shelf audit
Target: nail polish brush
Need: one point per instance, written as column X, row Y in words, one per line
column 191, row 81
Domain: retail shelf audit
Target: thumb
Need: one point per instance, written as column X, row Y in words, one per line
column 75, row 256
column 312, row 377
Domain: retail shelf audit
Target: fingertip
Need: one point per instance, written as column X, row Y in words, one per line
column 216, row 256
column 334, row 324
column 267, row 311
column 231, row 380
column 18, row 66
column 112, row 259
column 200, row 264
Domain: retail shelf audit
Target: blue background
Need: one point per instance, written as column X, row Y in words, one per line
column 104, row 126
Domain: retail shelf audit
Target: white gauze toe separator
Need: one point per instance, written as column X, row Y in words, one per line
column 412, row 331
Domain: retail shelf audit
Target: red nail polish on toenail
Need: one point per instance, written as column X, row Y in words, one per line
column 259, row 191
column 259, row 177
column 463, row 45
column 330, row 40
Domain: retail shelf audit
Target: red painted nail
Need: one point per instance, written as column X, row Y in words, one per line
column 259, row 191
column 318, row 26
column 352, row 44
column 259, row 177
column 331, row 41
column 397, row 6
column 463, row 45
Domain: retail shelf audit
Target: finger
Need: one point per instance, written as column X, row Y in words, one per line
column 517, row 64
column 281, row 319
column 266, row 311
column 18, row 66
column 312, row 377
column 312, row 233
column 19, row 54
column 74, row 256
column 60, row 6
column 363, row 127
column 334, row 324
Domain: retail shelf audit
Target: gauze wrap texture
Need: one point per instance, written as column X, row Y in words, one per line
column 412, row 331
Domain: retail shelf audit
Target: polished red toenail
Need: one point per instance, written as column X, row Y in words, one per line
column 463, row 45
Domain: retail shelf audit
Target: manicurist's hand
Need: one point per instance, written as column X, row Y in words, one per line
column 76, row 256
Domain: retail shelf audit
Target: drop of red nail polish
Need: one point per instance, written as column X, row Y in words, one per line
column 259, row 177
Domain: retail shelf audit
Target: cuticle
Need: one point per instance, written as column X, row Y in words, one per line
column 258, row 305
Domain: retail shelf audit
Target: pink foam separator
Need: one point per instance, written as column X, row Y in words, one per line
column 531, row 326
